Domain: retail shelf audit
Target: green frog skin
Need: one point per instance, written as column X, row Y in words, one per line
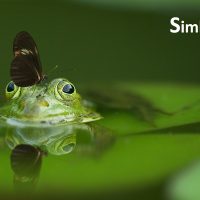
column 54, row 103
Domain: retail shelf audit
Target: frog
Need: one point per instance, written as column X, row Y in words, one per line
column 53, row 103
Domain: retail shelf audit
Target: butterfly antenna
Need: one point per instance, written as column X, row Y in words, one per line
column 52, row 70
column 45, row 76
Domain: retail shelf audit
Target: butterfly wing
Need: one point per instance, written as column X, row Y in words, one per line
column 26, row 68
column 23, row 71
column 24, row 41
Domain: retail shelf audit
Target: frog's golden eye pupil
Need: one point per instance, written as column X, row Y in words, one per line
column 11, row 87
column 68, row 89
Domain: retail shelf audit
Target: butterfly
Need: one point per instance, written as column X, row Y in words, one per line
column 26, row 68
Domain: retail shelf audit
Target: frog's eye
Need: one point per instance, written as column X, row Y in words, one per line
column 65, row 90
column 68, row 89
column 62, row 89
column 12, row 91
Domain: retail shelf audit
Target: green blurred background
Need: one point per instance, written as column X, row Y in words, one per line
column 105, row 40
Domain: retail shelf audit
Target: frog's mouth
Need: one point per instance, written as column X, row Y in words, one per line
column 45, row 111
column 39, row 123
column 39, row 111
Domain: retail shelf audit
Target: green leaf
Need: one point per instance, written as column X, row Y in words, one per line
column 183, row 101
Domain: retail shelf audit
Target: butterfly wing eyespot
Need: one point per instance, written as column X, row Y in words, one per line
column 26, row 68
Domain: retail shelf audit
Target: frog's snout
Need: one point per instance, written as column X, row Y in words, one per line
column 35, row 106
column 43, row 103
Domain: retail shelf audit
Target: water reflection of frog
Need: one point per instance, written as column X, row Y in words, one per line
column 30, row 144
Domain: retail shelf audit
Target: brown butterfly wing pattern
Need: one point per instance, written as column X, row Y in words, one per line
column 26, row 68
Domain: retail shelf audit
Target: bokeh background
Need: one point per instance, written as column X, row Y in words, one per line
column 93, row 40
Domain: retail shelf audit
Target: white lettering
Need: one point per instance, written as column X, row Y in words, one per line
column 173, row 23
column 191, row 28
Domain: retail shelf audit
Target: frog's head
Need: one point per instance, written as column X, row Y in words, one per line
column 55, row 102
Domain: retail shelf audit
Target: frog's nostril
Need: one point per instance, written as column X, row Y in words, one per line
column 44, row 103
column 38, row 96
